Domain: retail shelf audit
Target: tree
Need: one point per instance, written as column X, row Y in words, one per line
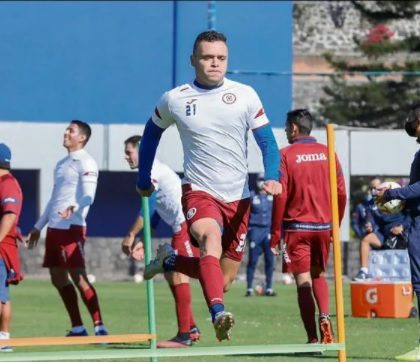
column 383, row 98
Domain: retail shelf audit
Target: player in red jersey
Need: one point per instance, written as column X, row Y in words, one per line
column 10, row 208
column 303, row 211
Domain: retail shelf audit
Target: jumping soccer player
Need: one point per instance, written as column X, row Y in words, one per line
column 213, row 115
column 303, row 210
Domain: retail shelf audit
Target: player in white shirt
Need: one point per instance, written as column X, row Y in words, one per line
column 75, row 180
column 167, row 204
column 213, row 115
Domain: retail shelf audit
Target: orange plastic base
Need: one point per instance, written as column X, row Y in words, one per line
column 381, row 299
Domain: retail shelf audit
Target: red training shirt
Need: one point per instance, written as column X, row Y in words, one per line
column 304, row 204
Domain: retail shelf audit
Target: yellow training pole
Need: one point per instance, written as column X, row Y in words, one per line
column 336, row 241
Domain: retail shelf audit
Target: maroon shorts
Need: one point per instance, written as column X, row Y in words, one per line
column 182, row 244
column 64, row 248
column 307, row 249
column 231, row 216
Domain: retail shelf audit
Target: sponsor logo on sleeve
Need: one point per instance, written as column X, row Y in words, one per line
column 157, row 113
column 90, row 173
column 9, row 200
column 259, row 113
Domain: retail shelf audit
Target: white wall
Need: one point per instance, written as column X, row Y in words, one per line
column 385, row 152
column 39, row 146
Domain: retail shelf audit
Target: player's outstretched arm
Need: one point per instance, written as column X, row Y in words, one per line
column 272, row 187
column 271, row 158
column 147, row 152
column 402, row 193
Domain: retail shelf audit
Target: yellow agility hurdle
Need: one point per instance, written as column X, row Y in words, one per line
column 61, row 341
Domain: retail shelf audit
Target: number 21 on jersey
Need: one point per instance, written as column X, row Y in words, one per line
column 190, row 109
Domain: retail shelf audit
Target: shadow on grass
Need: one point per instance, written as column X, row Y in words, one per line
column 368, row 358
column 128, row 346
column 298, row 355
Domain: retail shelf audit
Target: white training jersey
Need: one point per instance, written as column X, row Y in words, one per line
column 168, row 195
column 75, row 180
column 213, row 125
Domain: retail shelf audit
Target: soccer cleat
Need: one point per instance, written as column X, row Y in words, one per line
column 361, row 276
column 156, row 265
column 77, row 334
column 195, row 334
column 249, row 293
column 102, row 332
column 177, row 342
column 270, row 293
column 6, row 349
column 325, row 329
column 223, row 324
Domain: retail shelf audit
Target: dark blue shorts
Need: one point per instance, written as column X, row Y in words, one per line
column 4, row 286
column 380, row 236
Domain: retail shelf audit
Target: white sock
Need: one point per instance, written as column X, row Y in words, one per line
column 78, row 329
column 364, row 269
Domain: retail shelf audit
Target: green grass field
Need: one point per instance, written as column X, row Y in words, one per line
column 38, row 311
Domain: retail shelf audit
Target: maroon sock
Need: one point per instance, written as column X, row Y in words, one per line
column 321, row 294
column 182, row 296
column 188, row 265
column 90, row 298
column 307, row 311
column 193, row 323
column 211, row 279
column 69, row 296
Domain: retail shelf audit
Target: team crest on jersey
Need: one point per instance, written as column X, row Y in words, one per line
column 191, row 212
column 229, row 98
